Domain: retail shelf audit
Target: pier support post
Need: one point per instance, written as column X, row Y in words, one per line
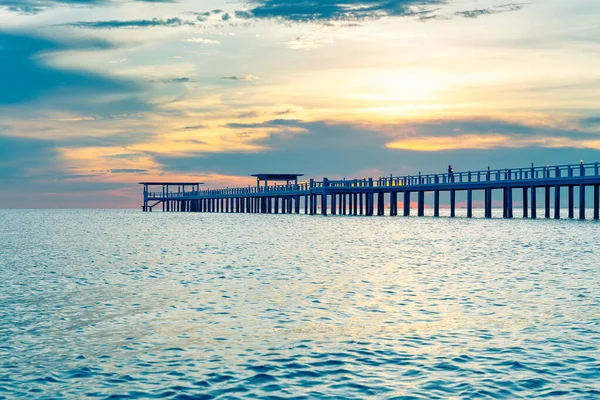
column 452, row 203
column 306, row 204
column 525, row 203
column 297, row 204
column 393, row 204
column 333, row 204
column 509, row 202
column 571, row 202
column 556, row 202
column 276, row 201
column 263, row 205
column 313, row 204
column 436, row 203
column 343, row 203
column 354, row 203
column 533, row 202
column 380, row 204
column 547, row 201
column 349, row 203
column 505, row 203
column 581, row 201
column 469, row 203
column 596, row 202
column 421, row 203
column 360, row 203
column 370, row 203
column 406, row 203
column 324, row 204
column 488, row 202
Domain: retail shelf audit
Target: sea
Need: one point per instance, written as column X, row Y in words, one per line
column 120, row 304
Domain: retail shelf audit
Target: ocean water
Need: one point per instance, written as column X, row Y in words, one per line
column 122, row 304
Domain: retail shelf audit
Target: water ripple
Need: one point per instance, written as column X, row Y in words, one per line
column 125, row 305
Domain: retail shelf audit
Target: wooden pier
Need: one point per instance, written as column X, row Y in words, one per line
column 282, row 193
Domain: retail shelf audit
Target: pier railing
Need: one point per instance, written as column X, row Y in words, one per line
column 532, row 173
column 488, row 175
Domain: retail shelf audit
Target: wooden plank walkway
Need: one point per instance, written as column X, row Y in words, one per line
column 368, row 196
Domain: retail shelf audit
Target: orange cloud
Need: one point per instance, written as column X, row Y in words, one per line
column 472, row 141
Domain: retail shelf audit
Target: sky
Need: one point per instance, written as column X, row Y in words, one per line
column 98, row 95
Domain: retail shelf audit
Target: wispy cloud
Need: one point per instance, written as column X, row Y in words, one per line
column 138, row 23
column 67, row 90
column 335, row 10
column 200, row 40
column 241, row 78
column 194, row 127
column 307, row 42
column 36, row 6
column 490, row 11
column 128, row 170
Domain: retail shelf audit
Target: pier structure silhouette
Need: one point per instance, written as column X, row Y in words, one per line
column 283, row 193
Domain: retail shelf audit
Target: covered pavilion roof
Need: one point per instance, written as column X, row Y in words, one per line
column 278, row 177
column 172, row 183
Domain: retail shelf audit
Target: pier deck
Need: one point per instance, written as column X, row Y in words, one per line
column 372, row 196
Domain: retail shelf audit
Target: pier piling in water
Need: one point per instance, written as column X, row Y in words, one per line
column 362, row 196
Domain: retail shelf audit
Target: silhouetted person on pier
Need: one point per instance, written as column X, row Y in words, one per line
column 450, row 173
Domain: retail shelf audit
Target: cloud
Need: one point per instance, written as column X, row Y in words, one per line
column 486, row 142
column 201, row 40
column 335, row 10
column 248, row 78
column 266, row 124
column 194, row 127
column 183, row 79
column 346, row 149
column 137, row 23
column 490, row 11
column 25, row 78
column 591, row 122
column 36, row 6
column 128, row 171
column 307, row 42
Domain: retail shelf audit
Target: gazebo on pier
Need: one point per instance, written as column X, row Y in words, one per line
column 287, row 178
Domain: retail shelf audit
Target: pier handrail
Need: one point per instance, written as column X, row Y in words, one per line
column 531, row 173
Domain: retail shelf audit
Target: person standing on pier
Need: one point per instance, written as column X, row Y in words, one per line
column 450, row 174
